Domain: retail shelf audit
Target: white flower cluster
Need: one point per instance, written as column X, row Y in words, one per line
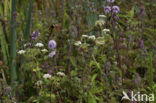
column 39, row 82
column 102, row 16
column 90, row 37
column 46, row 76
column 39, row 45
column 60, row 74
column 44, row 50
column 21, row 52
column 77, row 43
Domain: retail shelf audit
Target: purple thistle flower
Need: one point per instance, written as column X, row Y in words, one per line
column 110, row 1
column 53, row 53
column 116, row 9
column 35, row 34
column 107, row 9
column 52, row 44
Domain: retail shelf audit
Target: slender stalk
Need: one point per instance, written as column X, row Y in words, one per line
column 27, row 29
column 150, row 70
column 12, row 64
column 3, row 42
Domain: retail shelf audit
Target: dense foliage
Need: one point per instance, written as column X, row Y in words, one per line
column 76, row 51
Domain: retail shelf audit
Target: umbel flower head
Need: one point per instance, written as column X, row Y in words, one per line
column 116, row 9
column 107, row 9
column 110, row 1
column 39, row 45
column 21, row 52
column 52, row 44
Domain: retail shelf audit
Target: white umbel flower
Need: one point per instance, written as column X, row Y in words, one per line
column 40, row 82
column 46, row 76
column 21, row 51
column 44, row 50
column 39, row 45
column 106, row 30
column 92, row 37
column 77, row 43
column 60, row 74
column 85, row 36
column 102, row 16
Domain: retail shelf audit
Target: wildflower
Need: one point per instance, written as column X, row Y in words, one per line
column 60, row 74
column 40, row 82
column 116, row 9
column 92, row 37
column 46, row 76
column 46, row 65
column 77, row 43
column 141, row 44
column 44, row 50
column 35, row 34
column 116, row 17
column 85, row 36
column 99, row 22
column 21, row 52
column 39, row 45
column 50, row 72
column 52, row 44
column 53, row 53
column 102, row 16
column 106, row 30
column 107, row 9
column 100, row 41
column 27, row 44
column 110, row 1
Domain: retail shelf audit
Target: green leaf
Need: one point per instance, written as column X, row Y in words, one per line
column 91, row 100
column 93, row 77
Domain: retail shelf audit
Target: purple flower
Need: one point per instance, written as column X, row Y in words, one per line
column 116, row 17
column 53, row 53
column 116, row 9
column 46, row 65
column 15, row 15
column 35, row 34
column 50, row 72
column 52, row 44
column 110, row 1
column 107, row 9
column 141, row 44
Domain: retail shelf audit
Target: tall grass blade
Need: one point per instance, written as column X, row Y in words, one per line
column 4, row 46
column 12, row 64
column 27, row 30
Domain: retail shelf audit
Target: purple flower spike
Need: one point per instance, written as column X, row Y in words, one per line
column 110, row 1
column 116, row 9
column 107, row 9
column 35, row 34
column 53, row 53
column 46, row 65
column 52, row 44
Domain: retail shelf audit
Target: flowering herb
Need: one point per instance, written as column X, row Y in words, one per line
column 52, row 44
column 53, row 53
column 107, row 9
column 35, row 34
column 116, row 9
